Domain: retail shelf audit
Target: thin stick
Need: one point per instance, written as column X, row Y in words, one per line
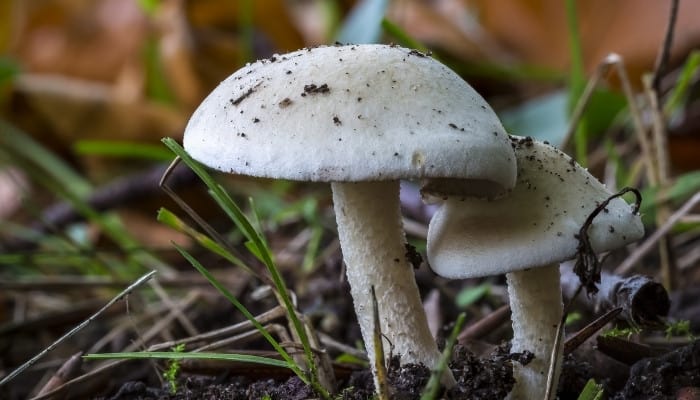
column 485, row 325
column 79, row 380
column 75, row 330
column 589, row 330
column 665, row 53
column 652, row 88
column 660, row 136
column 615, row 61
column 642, row 138
column 654, row 238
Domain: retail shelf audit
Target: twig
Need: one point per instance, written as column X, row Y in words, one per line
column 642, row 300
column 78, row 380
column 587, row 266
column 589, row 330
column 644, row 248
column 660, row 135
column 614, row 60
column 665, row 52
column 67, row 371
column 73, row 331
column 485, row 325
column 269, row 315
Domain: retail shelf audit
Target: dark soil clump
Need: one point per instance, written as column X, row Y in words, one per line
column 662, row 377
column 477, row 379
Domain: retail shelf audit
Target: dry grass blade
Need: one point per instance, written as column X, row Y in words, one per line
column 67, row 371
column 644, row 248
column 75, row 330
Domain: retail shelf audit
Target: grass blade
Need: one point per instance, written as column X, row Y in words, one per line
column 433, row 386
column 123, row 149
column 169, row 355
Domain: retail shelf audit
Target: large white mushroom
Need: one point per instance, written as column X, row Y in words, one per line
column 525, row 235
column 361, row 117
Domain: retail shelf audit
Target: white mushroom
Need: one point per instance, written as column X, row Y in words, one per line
column 525, row 235
column 362, row 117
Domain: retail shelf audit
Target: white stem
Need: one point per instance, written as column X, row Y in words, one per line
column 536, row 304
column 374, row 249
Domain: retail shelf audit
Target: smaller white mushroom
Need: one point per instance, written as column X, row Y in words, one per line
column 525, row 235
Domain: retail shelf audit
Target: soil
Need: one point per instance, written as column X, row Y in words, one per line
column 477, row 378
column 490, row 378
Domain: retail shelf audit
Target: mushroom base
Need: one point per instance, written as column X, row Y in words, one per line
column 536, row 304
column 373, row 243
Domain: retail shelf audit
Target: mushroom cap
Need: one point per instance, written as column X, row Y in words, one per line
column 350, row 113
column 535, row 225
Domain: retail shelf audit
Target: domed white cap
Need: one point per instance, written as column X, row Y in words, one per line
column 535, row 225
column 350, row 113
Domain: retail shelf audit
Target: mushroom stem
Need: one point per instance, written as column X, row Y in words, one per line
column 536, row 303
column 373, row 242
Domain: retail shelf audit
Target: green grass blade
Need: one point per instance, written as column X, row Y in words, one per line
column 242, row 309
column 166, row 217
column 685, row 79
column 401, row 36
column 471, row 295
column 683, row 187
column 577, row 79
column 9, row 69
column 592, row 391
column 168, row 355
column 258, row 246
column 433, row 386
column 25, row 147
column 54, row 174
column 246, row 30
column 122, row 149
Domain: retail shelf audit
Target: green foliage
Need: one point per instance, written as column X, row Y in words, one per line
column 246, row 29
column 171, row 372
column 572, row 317
column 258, row 246
column 592, row 391
column 625, row 332
column 346, row 358
column 9, row 69
column 679, row 328
column 402, row 37
column 122, row 149
column 149, row 6
column 683, row 187
column 577, row 79
column 471, row 295
column 54, row 174
column 432, row 388
column 157, row 87
column 685, row 79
